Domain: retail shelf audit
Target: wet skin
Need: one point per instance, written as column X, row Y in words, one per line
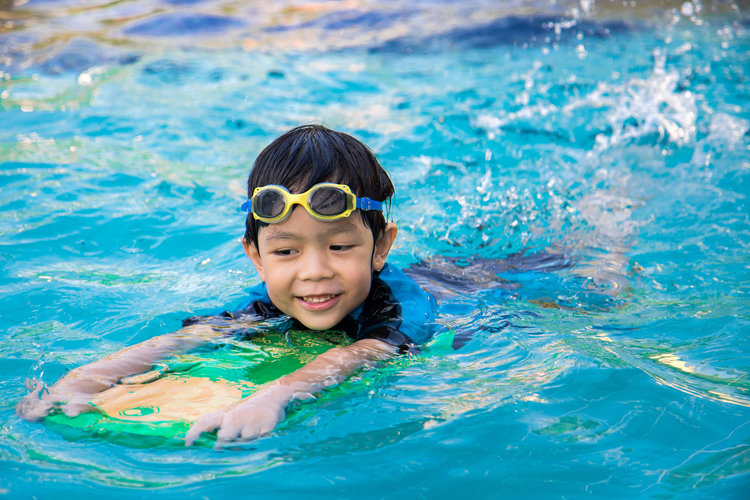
column 318, row 271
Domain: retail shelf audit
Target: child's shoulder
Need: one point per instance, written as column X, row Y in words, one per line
column 405, row 288
column 418, row 307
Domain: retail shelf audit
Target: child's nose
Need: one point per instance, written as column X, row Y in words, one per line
column 315, row 266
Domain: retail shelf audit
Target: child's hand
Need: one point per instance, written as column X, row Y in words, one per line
column 41, row 401
column 248, row 419
column 259, row 413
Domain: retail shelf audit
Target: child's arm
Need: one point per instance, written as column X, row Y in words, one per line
column 74, row 391
column 260, row 413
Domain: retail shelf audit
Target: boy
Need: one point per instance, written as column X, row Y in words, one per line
column 321, row 254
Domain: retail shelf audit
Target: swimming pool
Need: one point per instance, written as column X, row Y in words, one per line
column 620, row 138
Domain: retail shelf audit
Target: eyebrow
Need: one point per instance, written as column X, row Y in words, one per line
column 335, row 229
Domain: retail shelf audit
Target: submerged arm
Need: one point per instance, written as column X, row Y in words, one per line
column 260, row 413
column 74, row 391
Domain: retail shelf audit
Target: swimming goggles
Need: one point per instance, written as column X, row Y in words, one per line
column 324, row 201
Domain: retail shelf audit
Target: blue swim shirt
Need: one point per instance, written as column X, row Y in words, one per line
column 396, row 311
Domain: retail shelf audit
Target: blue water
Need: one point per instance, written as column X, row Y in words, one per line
column 618, row 137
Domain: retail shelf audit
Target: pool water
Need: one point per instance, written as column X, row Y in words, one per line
column 617, row 138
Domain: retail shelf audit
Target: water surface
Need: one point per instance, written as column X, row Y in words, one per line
column 618, row 138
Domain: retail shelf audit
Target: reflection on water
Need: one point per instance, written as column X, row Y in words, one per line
column 571, row 176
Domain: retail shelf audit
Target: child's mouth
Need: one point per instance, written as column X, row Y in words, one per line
column 318, row 302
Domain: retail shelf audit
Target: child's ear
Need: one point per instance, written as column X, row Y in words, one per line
column 383, row 246
column 252, row 252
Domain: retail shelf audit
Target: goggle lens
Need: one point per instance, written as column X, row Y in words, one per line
column 269, row 203
column 328, row 201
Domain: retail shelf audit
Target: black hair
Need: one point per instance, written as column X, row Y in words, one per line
column 311, row 154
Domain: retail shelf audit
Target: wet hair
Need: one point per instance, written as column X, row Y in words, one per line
column 311, row 154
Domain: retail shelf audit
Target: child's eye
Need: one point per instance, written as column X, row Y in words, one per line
column 340, row 248
column 284, row 252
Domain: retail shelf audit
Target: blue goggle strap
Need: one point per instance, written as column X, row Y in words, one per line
column 369, row 204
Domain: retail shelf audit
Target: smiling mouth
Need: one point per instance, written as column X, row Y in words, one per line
column 318, row 302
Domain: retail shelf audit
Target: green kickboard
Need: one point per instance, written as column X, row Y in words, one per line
column 158, row 407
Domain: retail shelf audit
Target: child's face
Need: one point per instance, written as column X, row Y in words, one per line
column 318, row 271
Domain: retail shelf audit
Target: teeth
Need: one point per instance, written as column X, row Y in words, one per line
column 318, row 300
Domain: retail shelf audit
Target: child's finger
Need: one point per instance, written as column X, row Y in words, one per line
column 73, row 409
column 250, row 432
column 230, row 429
column 32, row 407
column 35, row 386
column 256, row 430
column 230, row 434
column 205, row 423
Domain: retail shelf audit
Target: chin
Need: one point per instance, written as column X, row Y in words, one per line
column 320, row 324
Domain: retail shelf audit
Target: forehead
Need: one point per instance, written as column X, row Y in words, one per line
column 301, row 226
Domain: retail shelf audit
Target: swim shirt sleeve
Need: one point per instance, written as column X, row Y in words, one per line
column 258, row 303
column 397, row 311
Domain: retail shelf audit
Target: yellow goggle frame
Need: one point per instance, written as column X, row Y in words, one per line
column 325, row 201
